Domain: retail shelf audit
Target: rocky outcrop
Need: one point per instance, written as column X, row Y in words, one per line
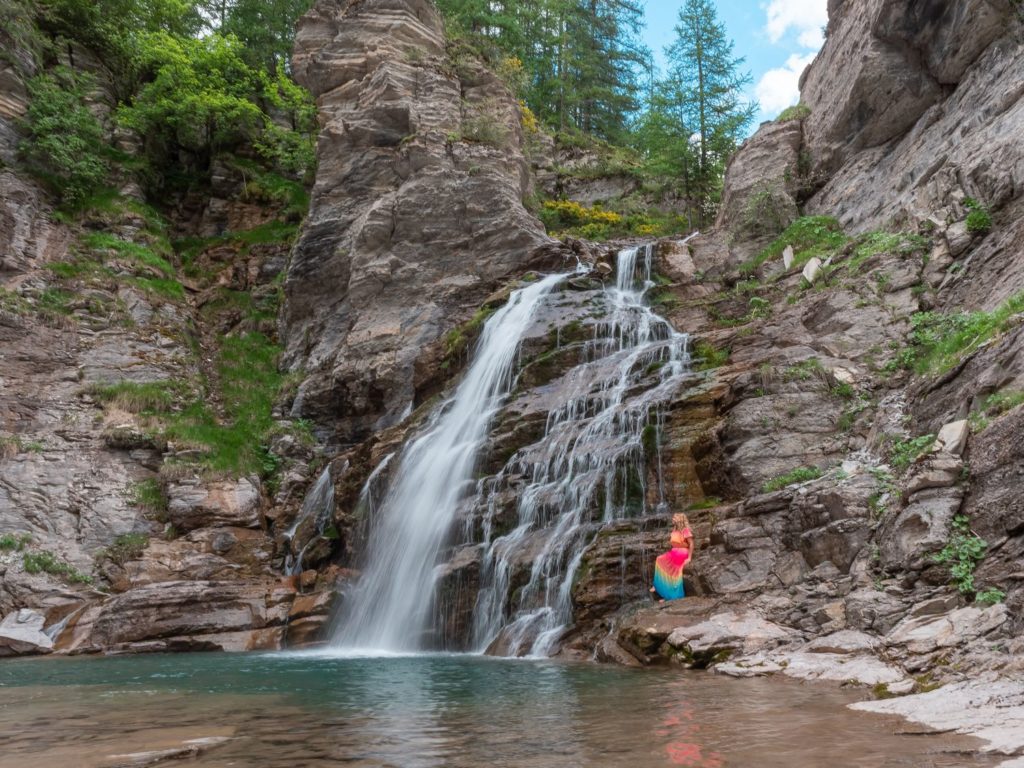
column 759, row 199
column 913, row 100
column 416, row 213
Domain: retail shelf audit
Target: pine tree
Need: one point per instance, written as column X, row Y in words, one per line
column 703, row 89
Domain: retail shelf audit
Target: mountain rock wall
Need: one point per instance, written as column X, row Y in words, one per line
column 416, row 215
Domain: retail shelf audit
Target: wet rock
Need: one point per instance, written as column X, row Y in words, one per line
column 21, row 633
column 871, row 610
column 758, row 201
column 958, row 239
column 859, row 668
column 990, row 710
column 812, row 270
column 921, row 528
column 194, row 615
column 939, row 470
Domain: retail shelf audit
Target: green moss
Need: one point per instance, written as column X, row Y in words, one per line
column 709, row 503
column 149, row 495
column 799, row 475
column 249, row 382
column 875, row 243
column 127, row 546
column 805, row 370
column 140, row 254
column 14, row 542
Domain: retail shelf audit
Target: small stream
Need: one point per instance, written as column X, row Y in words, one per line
column 313, row 711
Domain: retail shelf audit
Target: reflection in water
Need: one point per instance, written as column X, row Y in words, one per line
column 289, row 710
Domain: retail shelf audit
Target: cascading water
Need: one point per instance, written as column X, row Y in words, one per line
column 318, row 506
column 589, row 468
column 580, row 471
column 391, row 606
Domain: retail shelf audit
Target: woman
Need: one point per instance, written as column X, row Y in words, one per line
column 668, row 568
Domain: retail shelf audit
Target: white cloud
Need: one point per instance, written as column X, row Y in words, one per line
column 779, row 88
column 805, row 17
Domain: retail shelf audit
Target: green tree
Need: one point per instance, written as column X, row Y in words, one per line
column 64, row 140
column 266, row 28
column 200, row 95
column 703, row 89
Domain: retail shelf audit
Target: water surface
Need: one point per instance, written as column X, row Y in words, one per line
column 309, row 711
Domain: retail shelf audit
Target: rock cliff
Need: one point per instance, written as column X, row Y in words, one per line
column 912, row 122
column 416, row 215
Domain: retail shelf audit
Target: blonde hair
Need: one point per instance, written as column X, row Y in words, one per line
column 680, row 522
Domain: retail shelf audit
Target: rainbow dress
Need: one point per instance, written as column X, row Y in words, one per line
column 668, row 569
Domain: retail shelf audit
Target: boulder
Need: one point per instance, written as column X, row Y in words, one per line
column 952, row 438
column 727, row 633
column 925, row 634
column 21, row 633
column 812, row 270
column 920, row 529
column 196, row 504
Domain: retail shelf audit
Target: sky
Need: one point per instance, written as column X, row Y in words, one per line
column 778, row 38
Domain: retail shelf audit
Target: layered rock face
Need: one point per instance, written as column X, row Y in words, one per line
column 192, row 568
column 416, row 213
column 914, row 107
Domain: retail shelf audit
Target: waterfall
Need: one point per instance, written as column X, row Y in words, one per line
column 390, row 607
column 587, row 470
column 318, row 505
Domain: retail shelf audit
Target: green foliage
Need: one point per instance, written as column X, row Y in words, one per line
column 805, row 370
column 707, row 357
column 149, row 495
column 990, row 596
column 265, row 28
column 249, row 381
column 64, row 140
column 127, row 546
column 979, row 220
column 14, row 542
column 810, row 236
column 904, row 452
column 202, row 94
column 799, row 475
column 940, row 341
column 576, row 63
column 45, row 561
column 796, row 112
column 962, row 554
column 147, row 397
column 696, row 115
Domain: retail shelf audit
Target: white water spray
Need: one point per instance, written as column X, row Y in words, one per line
column 390, row 608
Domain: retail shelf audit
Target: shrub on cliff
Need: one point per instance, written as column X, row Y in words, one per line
column 64, row 144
